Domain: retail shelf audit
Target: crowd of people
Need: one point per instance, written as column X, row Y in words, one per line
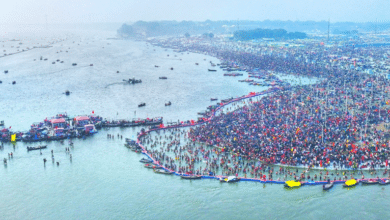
column 339, row 123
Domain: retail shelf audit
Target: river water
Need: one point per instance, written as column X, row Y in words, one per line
column 104, row 180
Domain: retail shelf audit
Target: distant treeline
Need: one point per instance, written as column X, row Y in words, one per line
column 276, row 34
column 175, row 28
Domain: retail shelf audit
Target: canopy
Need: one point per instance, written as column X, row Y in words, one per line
column 292, row 183
column 81, row 118
column 350, row 182
column 59, row 120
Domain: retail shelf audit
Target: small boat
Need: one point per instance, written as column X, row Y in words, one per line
column 162, row 77
column 163, row 172
column 36, row 148
column 213, row 99
column 91, row 64
column 53, row 63
column 292, row 184
column 230, row 179
column 328, row 186
column 74, row 64
column 169, row 103
column 350, row 183
column 5, row 71
column 13, row 82
column 191, row 177
column 144, row 160
column 171, row 68
column 369, row 182
column 384, row 182
column 196, row 63
column 211, row 70
column 67, row 92
column 141, row 104
column 152, row 166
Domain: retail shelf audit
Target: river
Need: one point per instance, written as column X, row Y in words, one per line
column 104, row 180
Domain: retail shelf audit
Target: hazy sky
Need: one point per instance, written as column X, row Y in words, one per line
column 86, row 11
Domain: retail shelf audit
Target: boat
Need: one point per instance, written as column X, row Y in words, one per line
column 141, row 104
column 350, row 183
column 5, row 71
column 74, row 64
column 213, row 99
column 67, row 92
column 369, row 182
column 163, row 77
column 328, row 186
column 13, row 82
column 230, row 179
column 132, row 81
column 191, row 177
column 152, row 166
column 292, row 184
column 169, row 103
column 171, row 68
column 36, row 148
column 145, row 160
column 163, row 172
column 153, row 121
column 384, row 182
column 211, row 70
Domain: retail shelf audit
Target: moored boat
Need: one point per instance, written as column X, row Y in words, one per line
column 191, row 177
column 145, row 160
column 141, row 104
column 384, row 182
column 328, row 186
column 161, row 171
column 369, row 182
column 152, row 166
column 230, row 179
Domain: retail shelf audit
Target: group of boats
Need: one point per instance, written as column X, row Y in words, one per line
column 347, row 184
column 133, row 123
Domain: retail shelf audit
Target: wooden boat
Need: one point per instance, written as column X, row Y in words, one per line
column 36, row 148
column 163, row 172
column 384, row 182
column 350, row 183
column 230, row 179
column 213, row 99
column 328, row 186
column 369, row 182
column 145, row 160
column 162, row 77
column 152, row 166
column 141, row 104
column 191, row 177
column 211, row 70
column 169, row 103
